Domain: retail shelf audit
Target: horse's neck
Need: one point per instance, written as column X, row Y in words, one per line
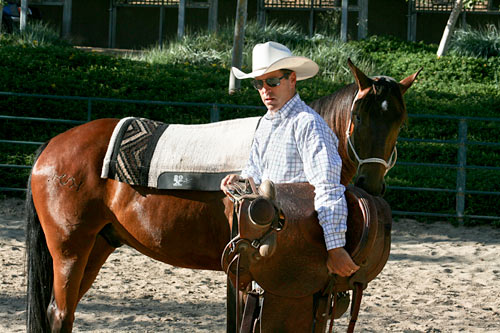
column 348, row 166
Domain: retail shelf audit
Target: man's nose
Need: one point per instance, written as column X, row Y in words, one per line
column 266, row 87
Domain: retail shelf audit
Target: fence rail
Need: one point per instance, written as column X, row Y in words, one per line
column 462, row 143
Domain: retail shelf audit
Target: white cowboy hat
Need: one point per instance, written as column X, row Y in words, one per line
column 271, row 56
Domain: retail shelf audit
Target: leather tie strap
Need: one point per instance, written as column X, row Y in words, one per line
column 250, row 313
column 358, row 294
column 332, row 318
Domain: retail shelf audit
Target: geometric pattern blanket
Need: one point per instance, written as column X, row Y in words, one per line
column 150, row 153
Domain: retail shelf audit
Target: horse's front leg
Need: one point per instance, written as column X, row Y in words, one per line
column 285, row 314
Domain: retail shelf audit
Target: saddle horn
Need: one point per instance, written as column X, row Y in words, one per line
column 268, row 190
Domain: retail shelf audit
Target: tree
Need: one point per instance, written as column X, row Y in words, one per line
column 450, row 25
column 1, row 16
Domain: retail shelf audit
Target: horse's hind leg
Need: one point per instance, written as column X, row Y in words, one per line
column 69, row 262
column 98, row 256
column 70, row 237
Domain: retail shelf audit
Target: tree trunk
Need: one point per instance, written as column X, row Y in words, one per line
column 23, row 15
column 239, row 36
column 450, row 26
column 1, row 11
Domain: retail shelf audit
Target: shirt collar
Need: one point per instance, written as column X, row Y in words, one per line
column 285, row 110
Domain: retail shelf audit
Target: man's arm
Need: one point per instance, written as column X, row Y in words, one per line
column 252, row 170
column 322, row 166
column 227, row 181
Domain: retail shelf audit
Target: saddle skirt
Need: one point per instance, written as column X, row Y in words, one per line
column 196, row 157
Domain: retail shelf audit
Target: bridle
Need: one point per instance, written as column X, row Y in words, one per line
column 387, row 164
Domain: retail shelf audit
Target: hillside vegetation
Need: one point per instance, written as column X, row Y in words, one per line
column 196, row 69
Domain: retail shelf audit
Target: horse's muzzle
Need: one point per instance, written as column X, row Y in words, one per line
column 375, row 188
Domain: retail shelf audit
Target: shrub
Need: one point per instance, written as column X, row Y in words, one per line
column 35, row 34
column 196, row 69
column 478, row 43
column 211, row 49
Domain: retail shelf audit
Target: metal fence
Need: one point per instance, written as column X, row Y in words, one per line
column 461, row 167
column 326, row 4
column 447, row 6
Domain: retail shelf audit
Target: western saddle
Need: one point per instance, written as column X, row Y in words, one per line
column 278, row 243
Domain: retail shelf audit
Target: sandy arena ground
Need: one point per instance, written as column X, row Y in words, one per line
column 439, row 278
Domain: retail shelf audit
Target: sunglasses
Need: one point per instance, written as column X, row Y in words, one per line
column 271, row 82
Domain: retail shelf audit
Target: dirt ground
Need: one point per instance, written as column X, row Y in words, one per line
column 439, row 278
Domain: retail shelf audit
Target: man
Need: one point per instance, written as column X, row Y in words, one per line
column 294, row 144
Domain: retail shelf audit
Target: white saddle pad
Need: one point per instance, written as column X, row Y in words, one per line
column 216, row 148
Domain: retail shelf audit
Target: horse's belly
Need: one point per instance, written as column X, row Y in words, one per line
column 186, row 230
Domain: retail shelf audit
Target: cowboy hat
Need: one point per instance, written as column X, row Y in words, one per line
column 271, row 56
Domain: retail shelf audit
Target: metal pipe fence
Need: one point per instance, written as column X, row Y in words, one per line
column 462, row 143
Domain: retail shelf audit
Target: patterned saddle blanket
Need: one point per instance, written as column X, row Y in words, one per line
column 196, row 157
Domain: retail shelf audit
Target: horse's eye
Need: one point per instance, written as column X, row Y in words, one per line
column 357, row 118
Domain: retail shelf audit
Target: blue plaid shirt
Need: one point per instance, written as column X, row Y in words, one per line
column 296, row 145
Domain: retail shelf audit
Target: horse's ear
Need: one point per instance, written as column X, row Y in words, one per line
column 363, row 81
column 406, row 83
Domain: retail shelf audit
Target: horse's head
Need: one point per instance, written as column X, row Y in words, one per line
column 377, row 114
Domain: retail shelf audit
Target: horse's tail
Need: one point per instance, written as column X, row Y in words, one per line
column 38, row 267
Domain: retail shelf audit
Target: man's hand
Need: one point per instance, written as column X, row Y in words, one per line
column 339, row 262
column 228, row 180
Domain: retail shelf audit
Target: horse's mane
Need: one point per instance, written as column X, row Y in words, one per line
column 336, row 110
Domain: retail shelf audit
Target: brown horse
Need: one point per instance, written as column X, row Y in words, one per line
column 76, row 219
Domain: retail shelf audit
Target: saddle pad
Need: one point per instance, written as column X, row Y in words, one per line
column 196, row 157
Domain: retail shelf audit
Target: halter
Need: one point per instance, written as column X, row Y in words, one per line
column 387, row 164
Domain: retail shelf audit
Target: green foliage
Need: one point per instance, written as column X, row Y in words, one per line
column 204, row 49
column 479, row 43
column 35, row 34
column 196, row 69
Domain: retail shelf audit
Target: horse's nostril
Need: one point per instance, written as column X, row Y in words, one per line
column 360, row 181
column 384, row 187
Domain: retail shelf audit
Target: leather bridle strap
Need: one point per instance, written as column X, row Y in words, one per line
column 387, row 164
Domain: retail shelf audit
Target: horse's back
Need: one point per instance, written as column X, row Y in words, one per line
column 86, row 142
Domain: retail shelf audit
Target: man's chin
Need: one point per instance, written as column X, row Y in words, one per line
column 271, row 106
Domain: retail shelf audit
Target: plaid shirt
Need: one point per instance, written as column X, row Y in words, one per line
column 296, row 145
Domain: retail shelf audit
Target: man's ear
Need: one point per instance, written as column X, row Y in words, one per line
column 293, row 78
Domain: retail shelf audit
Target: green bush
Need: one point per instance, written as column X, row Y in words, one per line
column 480, row 43
column 196, row 69
column 35, row 34
column 216, row 50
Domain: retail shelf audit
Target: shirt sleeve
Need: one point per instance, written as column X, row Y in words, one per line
column 252, row 168
column 318, row 148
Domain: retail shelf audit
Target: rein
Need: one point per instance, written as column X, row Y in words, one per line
column 387, row 164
